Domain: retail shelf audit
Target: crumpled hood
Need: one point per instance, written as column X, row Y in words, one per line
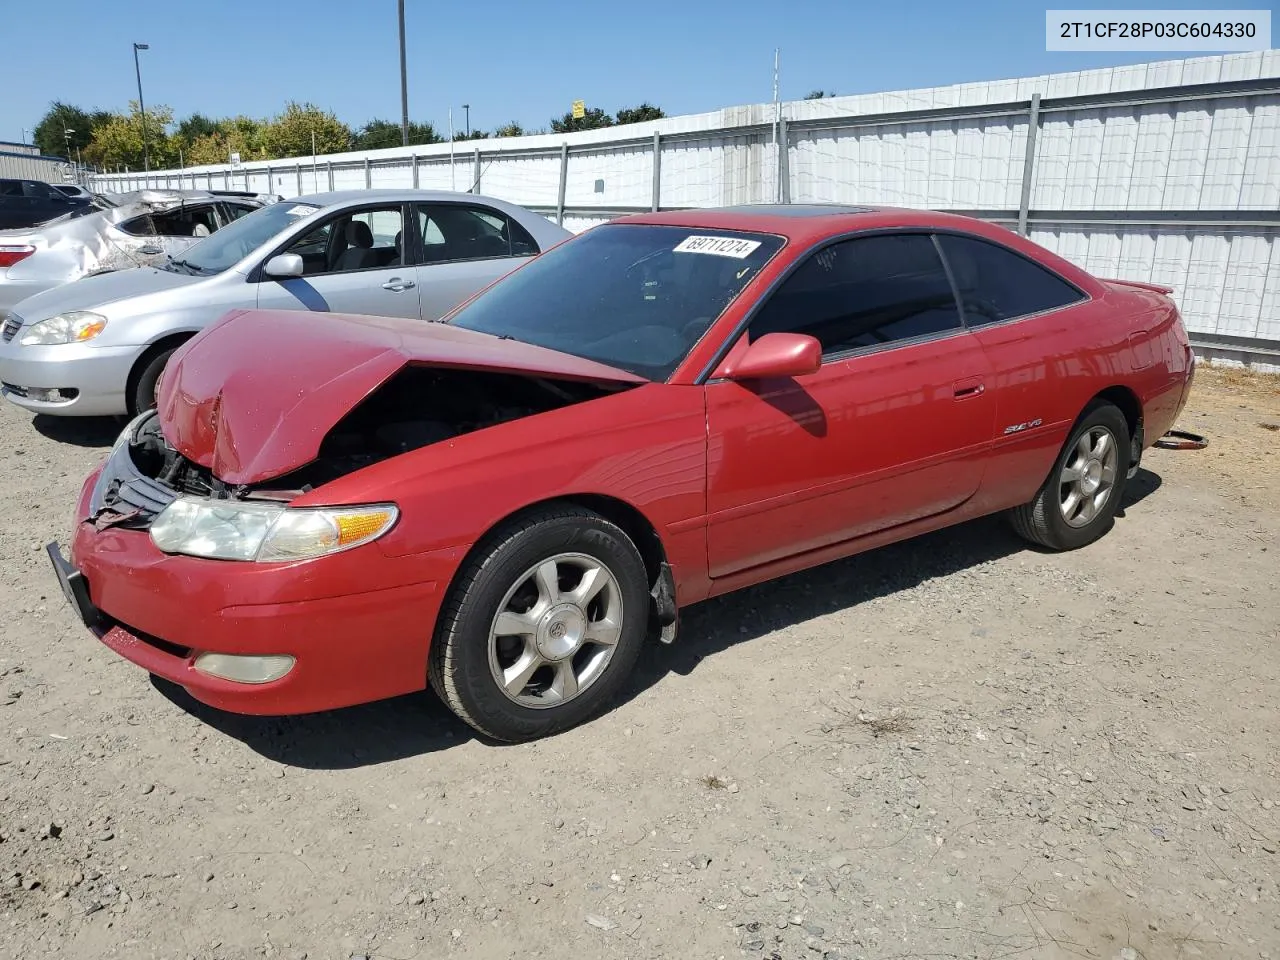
column 253, row 395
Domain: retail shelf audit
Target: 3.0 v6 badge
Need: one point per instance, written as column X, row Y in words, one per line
column 1025, row 425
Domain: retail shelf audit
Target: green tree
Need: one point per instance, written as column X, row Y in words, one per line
column 646, row 111
column 196, row 126
column 594, row 119
column 819, row 94
column 380, row 134
column 119, row 141
column 512, row 129
column 49, row 132
column 473, row 135
column 289, row 134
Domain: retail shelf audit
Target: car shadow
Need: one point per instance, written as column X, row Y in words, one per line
column 79, row 431
column 419, row 723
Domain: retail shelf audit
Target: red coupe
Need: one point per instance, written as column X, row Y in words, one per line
column 326, row 509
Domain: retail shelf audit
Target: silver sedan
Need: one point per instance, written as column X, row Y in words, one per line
column 98, row 346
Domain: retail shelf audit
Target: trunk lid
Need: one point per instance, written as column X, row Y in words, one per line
column 1139, row 285
column 253, row 396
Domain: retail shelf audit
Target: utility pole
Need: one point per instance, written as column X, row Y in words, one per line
column 142, row 108
column 467, row 108
column 404, row 84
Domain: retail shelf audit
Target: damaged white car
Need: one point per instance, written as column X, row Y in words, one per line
column 143, row 228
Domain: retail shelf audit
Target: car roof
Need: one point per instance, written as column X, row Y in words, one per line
column 811, row 221
column 335, row 197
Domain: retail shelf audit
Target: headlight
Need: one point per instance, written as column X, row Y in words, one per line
column 266, row 532
column 75, row 326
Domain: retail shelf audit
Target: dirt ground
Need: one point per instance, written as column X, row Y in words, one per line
column 951, row 748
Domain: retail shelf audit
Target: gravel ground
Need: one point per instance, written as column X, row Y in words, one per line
column 955, row 747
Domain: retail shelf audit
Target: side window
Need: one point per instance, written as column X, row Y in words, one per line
column 864, row 293
column 997, row 284
column 138, row 226
column 38, row 190
column 234, row 211
column 452, row 232
column 10, row 188
column 193, row 221
column 364, row 240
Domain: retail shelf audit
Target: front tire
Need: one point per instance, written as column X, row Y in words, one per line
column 142, row 390
column 1079, row 500
column 542, row 626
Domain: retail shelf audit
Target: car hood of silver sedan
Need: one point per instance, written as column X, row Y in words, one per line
column 100, row 292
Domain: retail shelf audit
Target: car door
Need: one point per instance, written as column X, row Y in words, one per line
column 464, row 247
column 894, row 427
column 353, row 263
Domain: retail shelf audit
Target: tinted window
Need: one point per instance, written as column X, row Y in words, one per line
column 996, row 284
column 10, row 188
column 864, row 293
column 452, row 232
column 633, row 296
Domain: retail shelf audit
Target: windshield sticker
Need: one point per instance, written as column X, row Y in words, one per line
column 302, row 210
column 718, row 246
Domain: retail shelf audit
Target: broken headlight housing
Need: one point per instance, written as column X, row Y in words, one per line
column 266, row 532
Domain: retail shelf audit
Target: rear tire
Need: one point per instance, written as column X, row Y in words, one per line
column 1078, row 502
column 542, row 626
column 142, row 390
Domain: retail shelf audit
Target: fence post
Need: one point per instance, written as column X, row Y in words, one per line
column 1029, row 163
column 564, row 179
column 784, row 163
column 299, row 179
column 270, row 183
column 475, row 174
column 328, row 165
column 368, row 175
column 413, row 162
column 657, row 171
column 226, row 179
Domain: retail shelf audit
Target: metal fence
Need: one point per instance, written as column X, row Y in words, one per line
column 1168, row 173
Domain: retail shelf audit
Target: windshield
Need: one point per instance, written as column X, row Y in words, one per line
column 634, row 296
column 234, row 242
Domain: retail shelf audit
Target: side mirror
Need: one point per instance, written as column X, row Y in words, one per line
column 285, row 266
column 777, row 355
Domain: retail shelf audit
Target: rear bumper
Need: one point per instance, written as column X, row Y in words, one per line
column 358, row 624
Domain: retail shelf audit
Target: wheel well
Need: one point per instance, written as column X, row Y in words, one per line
column 169, row 342
column 632, row 521
column 1129, row 405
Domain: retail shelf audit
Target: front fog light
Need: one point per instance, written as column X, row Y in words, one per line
column 243, row 669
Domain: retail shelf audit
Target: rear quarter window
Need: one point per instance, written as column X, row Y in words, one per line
column 996, row 284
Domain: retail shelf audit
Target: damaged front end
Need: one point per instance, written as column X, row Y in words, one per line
column 417, row 407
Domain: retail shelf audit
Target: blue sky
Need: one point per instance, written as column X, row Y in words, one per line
column 514, row 60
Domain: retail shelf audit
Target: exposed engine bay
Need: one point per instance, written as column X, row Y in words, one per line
column 417, row 407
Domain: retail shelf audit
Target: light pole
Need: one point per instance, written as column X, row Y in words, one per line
column 24, row 134
column 142, row 108
column 467, row 108
column 404, row 84
column 66, row 138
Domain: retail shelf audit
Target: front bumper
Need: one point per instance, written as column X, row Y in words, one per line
column 358, row 623
column 99, row 375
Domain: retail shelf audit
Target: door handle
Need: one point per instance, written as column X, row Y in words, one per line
column 971, row 387
column 395, row 284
